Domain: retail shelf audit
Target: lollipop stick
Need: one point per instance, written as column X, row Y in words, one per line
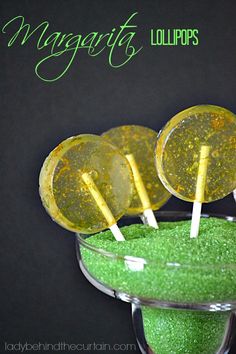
column 101, row 203
column 234, row 194
column 150, row 218
column 148, row 212
column 116, row 232
column 200, row 189
column 132, row 265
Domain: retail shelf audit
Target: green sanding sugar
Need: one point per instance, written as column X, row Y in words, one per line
column 184, row 332
column 178, row 268
column 204, row 271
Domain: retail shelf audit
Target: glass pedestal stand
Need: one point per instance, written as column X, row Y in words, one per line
column 161, row 327
column 224, row 338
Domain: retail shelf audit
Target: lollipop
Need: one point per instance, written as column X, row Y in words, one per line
column 138, row 144
column 196, row 156
column 86, row 185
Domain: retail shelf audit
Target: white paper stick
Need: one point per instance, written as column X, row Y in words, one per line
column 234, row 194
column 148, row 212
column 117, row 233
column 200, row 190
column 101, row 203
column 150, row 218
column 132, row 265
column 196, row 215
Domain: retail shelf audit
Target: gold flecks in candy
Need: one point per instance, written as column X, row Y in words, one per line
column 178, row 152
column 66, row 196
column 140, row 142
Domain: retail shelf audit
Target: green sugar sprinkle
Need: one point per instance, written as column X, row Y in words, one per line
column 184, row 332
column 215, row 248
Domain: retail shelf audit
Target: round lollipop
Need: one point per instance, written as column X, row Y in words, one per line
column 86, row 185
column 196, row 156
column 138, row 144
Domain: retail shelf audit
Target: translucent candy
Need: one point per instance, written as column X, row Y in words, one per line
column 138, row 144
column 197, row 133
column 80, row 173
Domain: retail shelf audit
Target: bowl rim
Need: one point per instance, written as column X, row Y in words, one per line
column 182, row 215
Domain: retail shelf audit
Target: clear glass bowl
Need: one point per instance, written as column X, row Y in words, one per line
column 152, row 286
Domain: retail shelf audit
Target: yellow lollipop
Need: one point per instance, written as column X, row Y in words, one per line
column 138, row 144
column 86, row 185
column 196, row 156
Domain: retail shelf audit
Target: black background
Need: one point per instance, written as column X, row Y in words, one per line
column 44, row 296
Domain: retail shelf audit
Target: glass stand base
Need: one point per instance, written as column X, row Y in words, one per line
column 137, row 320
column 173, row 327
column 139, row 323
